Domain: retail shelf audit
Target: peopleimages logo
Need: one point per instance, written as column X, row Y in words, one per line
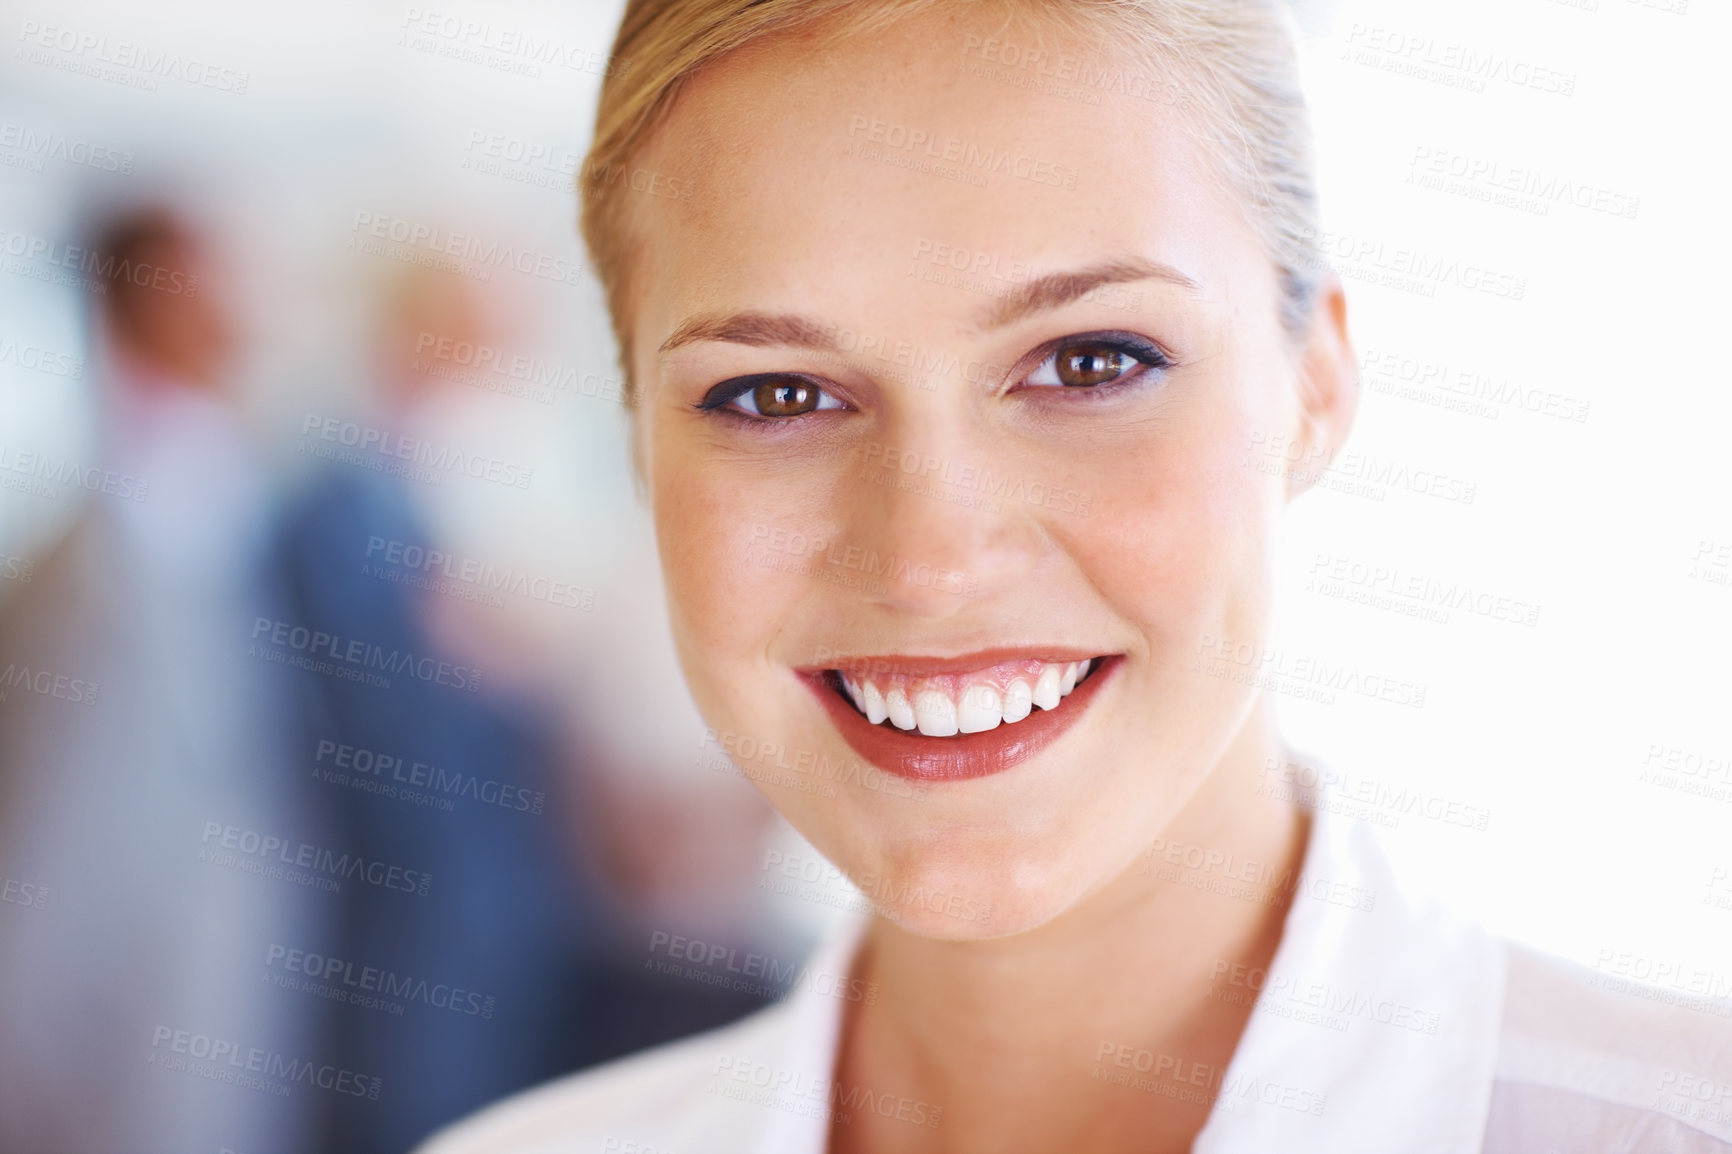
column 369, row 986
column 36, row 146
column 24, row 893
column 105, row 266
column 1379, row 802
column 41, row 360
column 1200, row 1083
column 431, row 240
column 394, row 775
column 791, row 551
column 383, row 444
column 975, row 160
column 714, row 962
column 483, row 42
column 353, row 658
column 122, row 61
column 798, row 1092
column 877, row 456
column 253, row 852
column 493, row 369
column 484, row 576
column 46, row 683
column 40, row 475
column 222, row 1060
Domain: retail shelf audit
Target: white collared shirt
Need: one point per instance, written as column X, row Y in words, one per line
column 1382, row 1026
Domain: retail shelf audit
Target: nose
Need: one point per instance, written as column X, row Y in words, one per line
column 941, row 526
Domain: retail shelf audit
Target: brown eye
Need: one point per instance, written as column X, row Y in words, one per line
column 1100, row 364
column 1091, row 364
column 784, row 397
column 770, row 397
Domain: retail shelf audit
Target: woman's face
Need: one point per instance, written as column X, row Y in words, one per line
column 948, row 383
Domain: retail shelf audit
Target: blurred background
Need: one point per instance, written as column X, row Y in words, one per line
column 347, row 780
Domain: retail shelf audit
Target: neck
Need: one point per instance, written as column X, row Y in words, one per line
column 1040, row 1016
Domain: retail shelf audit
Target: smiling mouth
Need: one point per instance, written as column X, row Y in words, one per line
column 947, row 719
column 948, row 704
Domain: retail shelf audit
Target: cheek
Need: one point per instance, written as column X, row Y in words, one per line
column 1181, row 542
column 706, row 541
column 735, row 556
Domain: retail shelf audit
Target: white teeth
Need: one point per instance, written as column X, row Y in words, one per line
column 982, row 709
column 896, row 707
column 935, row 714
column 1046, row 692
column 875, row 709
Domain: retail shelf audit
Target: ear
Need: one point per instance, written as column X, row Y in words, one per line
column 1327, row 383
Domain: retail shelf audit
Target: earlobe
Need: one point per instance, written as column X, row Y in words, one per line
column 1327, row 382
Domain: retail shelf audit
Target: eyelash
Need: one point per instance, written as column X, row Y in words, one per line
column 724, row 394
column 1152, row 358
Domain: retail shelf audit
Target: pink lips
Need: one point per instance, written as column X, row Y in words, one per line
column 965, row 755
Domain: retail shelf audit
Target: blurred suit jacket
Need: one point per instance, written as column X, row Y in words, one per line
column 494, row 965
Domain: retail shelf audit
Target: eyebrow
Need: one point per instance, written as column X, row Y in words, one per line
column 1037, row 295
column 1061, row 288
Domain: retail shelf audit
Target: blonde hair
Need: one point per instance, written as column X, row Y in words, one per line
column 1229, row 65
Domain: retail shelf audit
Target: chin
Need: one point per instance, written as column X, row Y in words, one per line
column 970, row 892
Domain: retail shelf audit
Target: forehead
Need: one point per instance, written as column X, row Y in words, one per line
column 815, row 176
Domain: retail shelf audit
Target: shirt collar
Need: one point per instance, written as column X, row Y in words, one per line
column 808, row 1047
column 1374, row 1031
column 1375, row 1027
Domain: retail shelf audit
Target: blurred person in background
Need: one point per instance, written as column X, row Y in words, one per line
column 470, row 782
column 144, row 723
